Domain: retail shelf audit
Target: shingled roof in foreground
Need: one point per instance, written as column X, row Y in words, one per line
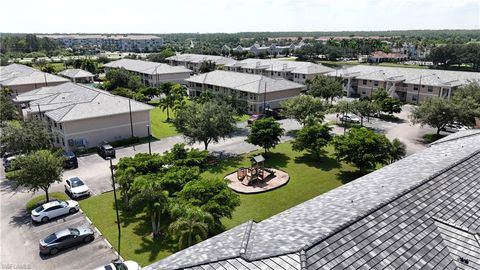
column 420, row 212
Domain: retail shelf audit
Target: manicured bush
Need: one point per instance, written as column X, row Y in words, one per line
column 41, row 199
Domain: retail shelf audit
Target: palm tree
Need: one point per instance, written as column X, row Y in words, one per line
column 398, row 150
column 125, row 180
column 151, row 197
column 191, row 226
column 173, row 95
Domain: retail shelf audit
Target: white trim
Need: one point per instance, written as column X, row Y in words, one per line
column 267, row 101
column 107, row 128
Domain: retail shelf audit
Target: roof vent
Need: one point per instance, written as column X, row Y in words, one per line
column 464, row 260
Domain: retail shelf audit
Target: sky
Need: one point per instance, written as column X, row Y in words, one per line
column 208, row 16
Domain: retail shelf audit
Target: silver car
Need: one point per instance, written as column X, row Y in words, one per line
column 65, row 238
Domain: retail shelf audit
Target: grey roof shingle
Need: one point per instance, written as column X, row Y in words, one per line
column 281, row 65
column 147, row 67
column 198, row 58
column 244, row 82
column 76, row 73
column 16, row 74
column 384, row 220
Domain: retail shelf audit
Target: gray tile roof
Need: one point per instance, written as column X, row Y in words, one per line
column 431, row 77
column 76, row 73
column 70, row 101
column 16, row 74
column 244, row 82
column 282, row 65
column 384, row 220
column 147, row 67
column 198, row 58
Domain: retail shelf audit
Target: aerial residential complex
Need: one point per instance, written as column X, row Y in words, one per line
column 258, row 49
column 152, row 73
column 407, row 84
column 140, row 43
column 255, row 89
column 194, row 61
column 421, row 212
column 83, row 117
column 298, row 72
column 21, row 78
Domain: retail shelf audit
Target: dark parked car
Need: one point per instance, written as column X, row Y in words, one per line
column 70, row 160
column 106, row 151
column 274, row 113
column 65, row 238
column 254, row 118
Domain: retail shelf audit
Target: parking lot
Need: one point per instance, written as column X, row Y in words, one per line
column 19, row 238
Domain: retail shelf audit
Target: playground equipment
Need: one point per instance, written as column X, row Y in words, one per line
column 257, row 171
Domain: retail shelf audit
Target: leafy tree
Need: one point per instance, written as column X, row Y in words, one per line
column 48, row 68
column 312, row 138
column 180, row 156
column 190, row 226
column 379, row 95
column 161, row 56
column 125, row 179
column 208, row 122
column 207, row 66
column 303, row 107
column 175, row 178
column 8, row 110
column 143, row 163
column 150, row 197
column 38, row 170
column 467, row 100
column 398, row 150
column 266, row 133
column 25, row 136
column 326, row 87
column 231, row 99
column 385, row 102
column 212, row 196
column 364, row 108
column 174, row 95
column 363, row 148
column 120, row 77
column 125, row 92
column 150, row 92
column 89, row 65
column 436, row 112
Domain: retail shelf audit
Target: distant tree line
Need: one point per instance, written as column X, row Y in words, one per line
column 457, row 54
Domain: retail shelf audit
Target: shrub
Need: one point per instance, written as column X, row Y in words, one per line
column 123, row 142
column 41, row 199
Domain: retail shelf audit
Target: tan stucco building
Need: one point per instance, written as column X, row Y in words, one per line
column 83, row 117
column 256, row 90
column 194, row 61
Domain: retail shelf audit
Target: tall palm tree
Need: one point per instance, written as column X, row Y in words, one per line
column 150, row 196
column 173, row 95
column 191, row 226
column 125, row 180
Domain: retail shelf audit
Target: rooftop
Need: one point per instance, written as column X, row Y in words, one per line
column 281, row 65
column 70, row 101
column 244, row 82
column 198, row 58
column 16, row 74
column 420, row 212
column 431, row 77
column 76, row 73
column 147, row 67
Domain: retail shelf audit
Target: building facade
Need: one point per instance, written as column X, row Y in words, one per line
column 407, row 84
column 83, row 117
column 258, row 91
column 194, row 61
column 151, row 73
column 77, row 75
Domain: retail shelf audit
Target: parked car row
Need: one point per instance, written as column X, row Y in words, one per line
column 71, row 161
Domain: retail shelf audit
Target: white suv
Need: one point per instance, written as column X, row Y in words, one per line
column 76, row 187
column 53, row 209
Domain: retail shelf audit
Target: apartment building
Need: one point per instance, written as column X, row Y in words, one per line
column 407, row 84
column 271, row 49
column 256, row 90
column 141, row 43
column 151, row 73
column 379, row 56
column 294, row 71
column 80, row 116
column 77, row 75
column 194, row 61
column 21, row 78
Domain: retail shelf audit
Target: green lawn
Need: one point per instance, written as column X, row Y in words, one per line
column 308, row 178
column 160, row 127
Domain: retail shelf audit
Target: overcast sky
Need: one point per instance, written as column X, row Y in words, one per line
column 174, row 16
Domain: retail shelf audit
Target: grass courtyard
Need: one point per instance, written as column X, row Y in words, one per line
column 308, row 178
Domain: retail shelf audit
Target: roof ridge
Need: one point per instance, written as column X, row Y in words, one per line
column 246, row 237
column 451, row 224
column 456, row 138
column 387, row 202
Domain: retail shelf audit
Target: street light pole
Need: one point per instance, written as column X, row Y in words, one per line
column 116, row 207
column 149, row 138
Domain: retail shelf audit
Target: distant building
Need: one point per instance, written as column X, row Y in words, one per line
column 151, row 73
column 194, row 61
column 270, row 50
column 379, row 56
column 413, row 51
column 422, row 212
column 77, row 75
column 294, row 71
column 21, row 78
column 407, row 84
column 140, row 43
column 256, row 90
column 83, row 117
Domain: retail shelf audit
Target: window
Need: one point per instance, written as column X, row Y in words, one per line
column 415, row 87
column 60, row 125
column 430, row 88
column 414, row 98
column 57, row 139
column 63, row 142
column 209, row 86
column 375, row 83
column 55, row 124
column 364, row 82
column 303, row 76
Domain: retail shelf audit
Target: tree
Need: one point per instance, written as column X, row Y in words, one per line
column 207, row 122
column 190, row 226
column 125, row 179
column 467, row 101
column 212, row 196
column 398, row 150
column 266, row 133
column 207, row 66
column 312, row 138
column 364, row 108
column 161, row 56
column 150, row 92
column 120, row 77
column 231, row 99
column 436, row 112
column 38, row 170
column 362, row 147
column 174, row 95
column 24, row 137
column 326, row 87
column 303, row 107
column 8, row 110
column 149, row 196
column 48, row 68
column 386, row 103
